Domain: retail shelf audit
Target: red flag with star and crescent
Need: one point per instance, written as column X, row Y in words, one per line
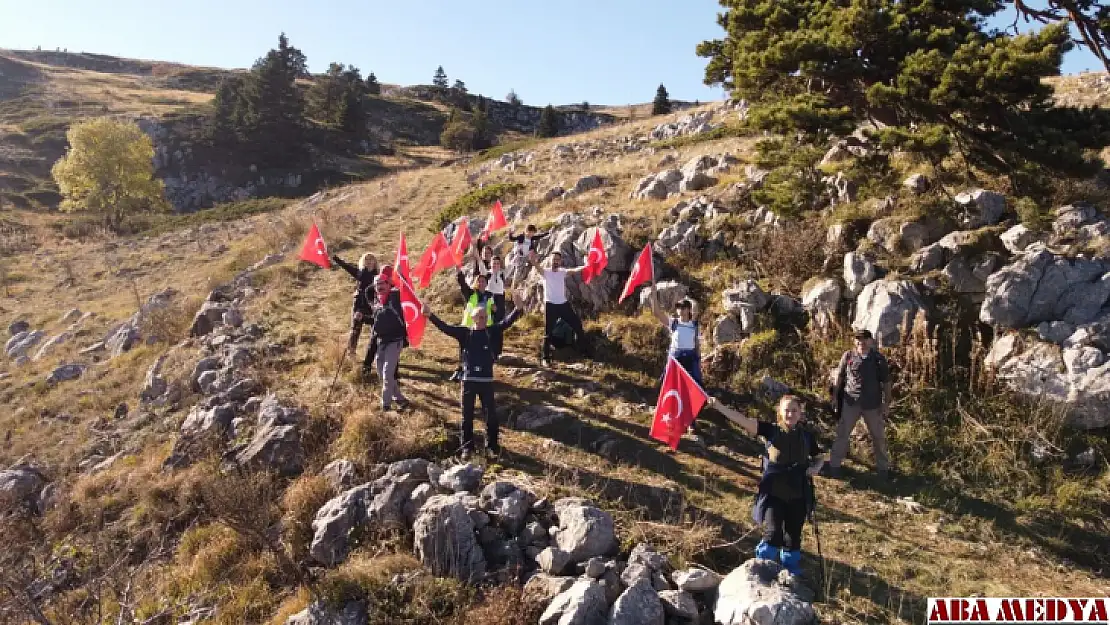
column 460, row 243
column 495, row 222
column 596, row 258
column 414, row 319
column 401, row 264
column 680, row 401
column 314, row 250
column 642, row 271
column 437, row 257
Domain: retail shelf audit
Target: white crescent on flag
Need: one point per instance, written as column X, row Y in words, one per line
column 668, row 417
column 409, row 306
column 590, row 258
column 321, row 248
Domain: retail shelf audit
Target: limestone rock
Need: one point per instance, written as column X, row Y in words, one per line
column 859, row 271
column 1040, row 286
column 679, row 604
column 462, row 478
column 670, row 293
column 1018, row 238
column 554, row 561
column 746, row 295
column 20, row 343
column 727, row 330
column 754, row 595
column 274, row 448
column 353, row 613
column 981, row 207
column 696, row 580
column 444, row 540
column 66, row 373
column 20, row 484
column 341, row 474
column 585, row 530
column 916, row 184
column 543, row 588
column 638, row 605
column 581, row 604
column 822, row 300
column 887, row 308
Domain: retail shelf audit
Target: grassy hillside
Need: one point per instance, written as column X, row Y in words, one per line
column 964, row 532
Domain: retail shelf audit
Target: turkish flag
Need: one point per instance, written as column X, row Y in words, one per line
column 414, row 319
column 642, row 271
column 460, row 243
column 596, row 258
column 680, row 401
column 401, row 264
column 314, row 250
column 495, row 222
column 438, row 256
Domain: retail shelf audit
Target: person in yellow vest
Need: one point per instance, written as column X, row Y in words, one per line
column 475, row 296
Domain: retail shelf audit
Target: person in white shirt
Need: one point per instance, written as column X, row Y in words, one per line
column 685, row 336
column 556, row 306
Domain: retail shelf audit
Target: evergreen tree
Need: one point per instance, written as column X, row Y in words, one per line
column 662, row 103
column 549, row 122
column 326, row 94
column 274, row 106
column 483, row 104
column 352, row 110
column 373, row 87
column 459, row 87
column 228, row 113
column 585, row 106
column 439, row 80
column 513, row 99
column 295, row 60
column 936, row 76
column 483, row 135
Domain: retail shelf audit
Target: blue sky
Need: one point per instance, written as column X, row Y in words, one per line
column 601, row 51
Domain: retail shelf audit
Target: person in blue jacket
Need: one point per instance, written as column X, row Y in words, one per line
column 477, row 344
column 785, row 496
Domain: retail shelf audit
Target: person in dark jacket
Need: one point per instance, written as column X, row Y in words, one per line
column 476, row 345
column 361, row 308
column 390, row 337
column 863, row 388
column 785, row 496
column 475, row 296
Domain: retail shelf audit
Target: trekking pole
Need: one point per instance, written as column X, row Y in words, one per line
column 337, row 371
column 817, row 530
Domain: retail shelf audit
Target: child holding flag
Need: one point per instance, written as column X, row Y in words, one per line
column 785, row 496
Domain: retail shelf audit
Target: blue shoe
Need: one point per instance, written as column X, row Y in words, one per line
column 763, row 551
column 792, row 561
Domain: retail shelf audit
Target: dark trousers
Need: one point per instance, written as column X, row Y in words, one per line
column 691, row 362
column 356, row 329
column 782, row 523
column 472, row 391
column 552, row 314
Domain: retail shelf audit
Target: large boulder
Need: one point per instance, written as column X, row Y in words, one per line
column 618, row 252
column 859, row 271
column 670, row 294
column 1018, row 238
column 155, row 387
column 274, row 448
column 1077, row 378
column 462, row 478
column 66, row 373
column 543, row 588
column 584, row 530
column 747, row 295
column 1040, row 286
column 334, row 522
column 443, row 537
column 899, row 236
column 981, row 207
column 680, row 238
column 508, row 504
column 20, row 485
column 638, row 605
column 758, row 593
column 679, row 604
column 888, row 308
column 208, row 318
column 582, row 604
column 696, row 580
column 727, row 330
column 821, row 299
column 19, row 344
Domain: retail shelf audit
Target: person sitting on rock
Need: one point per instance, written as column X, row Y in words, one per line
column 556, row 306
column 364, row 276
column 477, row 357
column 685, row 336
column 390, row 337
column 785, row 496
column 475, row 297
column 862, row 388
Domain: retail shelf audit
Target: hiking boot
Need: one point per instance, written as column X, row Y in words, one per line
column 830, row 472
column 387, row 408
column 456, row 376
column 403, row 406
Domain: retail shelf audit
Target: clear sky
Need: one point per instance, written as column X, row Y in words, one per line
column 562, row 52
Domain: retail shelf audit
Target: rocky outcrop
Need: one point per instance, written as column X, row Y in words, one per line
column 20, row 485
column 1041, row 286
column 66, row 373
column 692, row 124
column 444, row 538
column 584, row 530
column 584, row 603
column 981, row 207
column 888, row 309
column 638, row 605
column 761, row 592
column 353, row 613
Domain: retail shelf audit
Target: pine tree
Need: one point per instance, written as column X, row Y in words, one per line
column 513, row 99
column 274, row 107
column 483, row 104
column 662, row 103
column 439, row 80
column 228, row 110
column 459, row 87
column 549, row 122
column 294, row 59
column 585, row 106
column 936, row 76
column 326, row 94
column 483, row 136
column 373, row 87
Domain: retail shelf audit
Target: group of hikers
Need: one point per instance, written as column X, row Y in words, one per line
column 861, row 389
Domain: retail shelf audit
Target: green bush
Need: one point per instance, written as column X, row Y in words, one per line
column 498, row 151
column 1031, row 215
column 473, row 201
column 721, row 132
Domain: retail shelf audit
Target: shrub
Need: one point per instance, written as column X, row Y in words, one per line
column 724, row 131
column 1031, row 215
column 498, row 151
column 475, row 200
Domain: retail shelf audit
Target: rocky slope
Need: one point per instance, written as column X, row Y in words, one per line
column 193, row 353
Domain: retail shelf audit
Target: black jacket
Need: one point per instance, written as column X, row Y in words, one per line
column 389, row 319
column 477, row 351
column 365, row 290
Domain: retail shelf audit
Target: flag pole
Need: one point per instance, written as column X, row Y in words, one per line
column 337, row 371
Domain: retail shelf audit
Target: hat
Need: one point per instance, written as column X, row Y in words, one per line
column 861, row 335
column 684, row 303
